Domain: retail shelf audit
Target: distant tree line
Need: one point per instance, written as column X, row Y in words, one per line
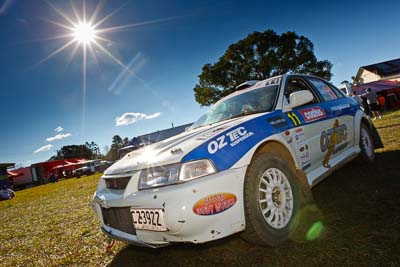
column 90, row 150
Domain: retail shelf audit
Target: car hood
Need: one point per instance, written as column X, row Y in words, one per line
column 173, row 149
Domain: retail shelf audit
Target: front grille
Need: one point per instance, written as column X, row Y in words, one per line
column 119, row 218
column 117, row 183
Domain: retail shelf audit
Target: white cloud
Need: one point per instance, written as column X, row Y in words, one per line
column 58, row 137
column 152, row 116
column 130, row 117
column 59, row 129
column 43, row 148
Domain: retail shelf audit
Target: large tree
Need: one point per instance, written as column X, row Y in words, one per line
column 259, row 56
column 94, row 148
column 117, row 143
column 73, row 151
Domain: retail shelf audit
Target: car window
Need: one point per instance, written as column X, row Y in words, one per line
column 249, row 102
column 339, row 93
column 324, row 89
column 295, row 85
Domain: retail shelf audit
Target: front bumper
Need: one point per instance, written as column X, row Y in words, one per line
column 178, row 201
column 111, row 233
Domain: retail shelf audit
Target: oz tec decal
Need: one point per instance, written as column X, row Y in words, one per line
column 230, row 145
column 331, row 138
column 232, row 138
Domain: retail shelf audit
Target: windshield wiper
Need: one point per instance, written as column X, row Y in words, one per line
column 195, row 127
column 232, row 117
column 245, row 114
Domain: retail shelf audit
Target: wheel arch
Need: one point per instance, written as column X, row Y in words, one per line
column 278, row 147
column 360, row 118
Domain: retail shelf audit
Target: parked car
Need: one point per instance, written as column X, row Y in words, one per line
column 246, row 165
column 90, row 167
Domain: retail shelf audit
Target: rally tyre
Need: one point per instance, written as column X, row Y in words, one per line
column 271, row 199
column 366, row 143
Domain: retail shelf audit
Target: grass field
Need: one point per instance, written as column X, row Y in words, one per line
column 359, row 207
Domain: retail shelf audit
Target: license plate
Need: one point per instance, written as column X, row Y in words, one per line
column 149, row 219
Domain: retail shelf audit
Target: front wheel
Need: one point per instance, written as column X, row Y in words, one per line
column 366, row 143
column 272, row 200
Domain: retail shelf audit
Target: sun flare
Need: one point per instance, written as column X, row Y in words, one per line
column 87, row 33
column 84, row 33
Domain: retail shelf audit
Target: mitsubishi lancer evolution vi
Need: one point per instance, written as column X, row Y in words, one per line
column 245, row 166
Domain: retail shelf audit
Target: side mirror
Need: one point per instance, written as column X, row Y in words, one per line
column 300, row 98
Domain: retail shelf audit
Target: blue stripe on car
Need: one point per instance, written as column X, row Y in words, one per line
column 226, row 148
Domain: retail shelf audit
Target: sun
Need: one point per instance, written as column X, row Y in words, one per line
column 87, row 33
column 84, row 33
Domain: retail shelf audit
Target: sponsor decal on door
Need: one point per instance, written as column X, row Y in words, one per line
column 312, row 114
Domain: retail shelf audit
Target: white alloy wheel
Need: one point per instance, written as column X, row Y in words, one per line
column 275, row 198
column 366, row 143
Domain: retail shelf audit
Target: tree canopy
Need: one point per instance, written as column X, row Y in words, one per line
column 116, row 143
column 94, row 148
column 257, row 57
column 73, row 151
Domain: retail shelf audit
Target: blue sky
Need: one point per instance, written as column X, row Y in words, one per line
column 164, row 60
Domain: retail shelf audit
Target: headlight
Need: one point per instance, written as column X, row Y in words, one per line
column 195, row 169
column 175, row 173
column 159, row 176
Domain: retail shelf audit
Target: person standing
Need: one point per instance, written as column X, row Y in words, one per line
column 4, row 181
column 382, row 103
column 357, row 98
column 372, row 102
column 52, row 178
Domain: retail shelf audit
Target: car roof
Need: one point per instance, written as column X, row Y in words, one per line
column 276, row 80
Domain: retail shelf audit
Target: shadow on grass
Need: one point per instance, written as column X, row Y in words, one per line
column 359, row 207
column 388, row 126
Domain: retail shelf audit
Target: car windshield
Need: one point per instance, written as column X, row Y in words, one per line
column 250, row 102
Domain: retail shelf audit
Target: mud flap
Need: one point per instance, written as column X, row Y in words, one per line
column 375, row 136
column 309, row 221
column 305, row 189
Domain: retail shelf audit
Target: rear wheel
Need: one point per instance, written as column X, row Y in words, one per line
column 366, row 143
column 272, row 200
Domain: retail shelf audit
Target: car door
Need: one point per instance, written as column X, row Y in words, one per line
column 308, row 122
column 339, row 137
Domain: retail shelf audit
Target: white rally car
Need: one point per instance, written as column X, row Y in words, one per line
column 246, row 166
